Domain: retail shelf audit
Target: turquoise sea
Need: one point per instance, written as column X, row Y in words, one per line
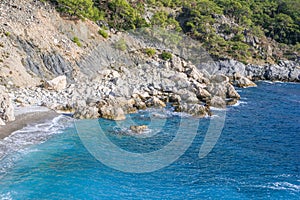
column 257, row 155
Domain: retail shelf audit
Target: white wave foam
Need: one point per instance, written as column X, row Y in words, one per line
column 16, row 144
column 283, row 186
column 239, row 103
column 270, row 82
column 218, row 109
column 6, row 196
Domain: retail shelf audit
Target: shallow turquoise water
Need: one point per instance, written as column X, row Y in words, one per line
column 256, row 157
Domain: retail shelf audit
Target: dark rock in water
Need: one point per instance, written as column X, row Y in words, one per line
column 138, row 129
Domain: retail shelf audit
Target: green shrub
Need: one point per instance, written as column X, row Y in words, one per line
column 166, row 55
column 7, row 34
column 103, row 33
column 77, row 41
column 80, row 8
column 121, row 45
column 150, row 52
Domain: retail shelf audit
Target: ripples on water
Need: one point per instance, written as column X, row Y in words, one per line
column 256, row 157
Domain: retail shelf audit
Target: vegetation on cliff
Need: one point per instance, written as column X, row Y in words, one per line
column 236, row 29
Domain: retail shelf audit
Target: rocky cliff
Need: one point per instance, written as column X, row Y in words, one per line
column 98, row 77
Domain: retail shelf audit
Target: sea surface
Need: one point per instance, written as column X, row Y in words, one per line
column 256, row 156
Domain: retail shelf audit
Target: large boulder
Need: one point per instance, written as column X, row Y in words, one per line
column 59, row 83
column 112, row 112
column 6, row 107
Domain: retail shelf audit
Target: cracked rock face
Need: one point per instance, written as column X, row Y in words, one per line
column 6, row 107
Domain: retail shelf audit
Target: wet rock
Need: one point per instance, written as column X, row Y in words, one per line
column 138, row 129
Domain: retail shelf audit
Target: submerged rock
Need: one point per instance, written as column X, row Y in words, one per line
column 138, row 129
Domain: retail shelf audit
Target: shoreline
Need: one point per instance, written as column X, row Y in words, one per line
column 26, row 116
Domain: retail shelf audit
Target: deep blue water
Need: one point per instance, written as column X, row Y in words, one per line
column 256, row 157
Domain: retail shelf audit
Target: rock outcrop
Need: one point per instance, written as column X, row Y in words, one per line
column 283, row 71
column 97, row 80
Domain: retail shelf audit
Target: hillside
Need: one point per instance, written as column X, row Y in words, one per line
column 100, row 70
column 249, row 31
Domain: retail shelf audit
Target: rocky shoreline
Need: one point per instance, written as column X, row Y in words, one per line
column 111, row 77
column 113, row 93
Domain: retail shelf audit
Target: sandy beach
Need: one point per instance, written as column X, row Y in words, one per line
column 26, row 116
